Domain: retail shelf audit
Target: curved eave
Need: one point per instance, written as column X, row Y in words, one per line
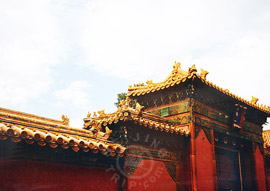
column 60, row 138
column 158, row 126
column 138, row 91
column 234, row 96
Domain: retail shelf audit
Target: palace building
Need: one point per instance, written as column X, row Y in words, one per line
column 184, row 133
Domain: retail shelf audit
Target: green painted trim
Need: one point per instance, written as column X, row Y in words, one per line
column 172, row 110
column 181, row 120
column 217, row 116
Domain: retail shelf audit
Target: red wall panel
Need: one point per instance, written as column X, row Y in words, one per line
column 260, row 171
column 268, row 180
column 25, row 175
column 204, row 163
column 151, row 175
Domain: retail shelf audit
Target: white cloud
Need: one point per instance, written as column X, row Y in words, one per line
column 74, row 95
column 138, row 39
column 74, row 101
column 133, row 40
column 30, row 45
column 241, row 67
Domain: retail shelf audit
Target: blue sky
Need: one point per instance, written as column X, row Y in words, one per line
column 71, row 57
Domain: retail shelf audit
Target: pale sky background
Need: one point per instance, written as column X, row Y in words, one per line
column 71, row 57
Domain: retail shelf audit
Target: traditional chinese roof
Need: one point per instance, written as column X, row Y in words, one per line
column 20, row 126
column 127, row 113
column 178, row 76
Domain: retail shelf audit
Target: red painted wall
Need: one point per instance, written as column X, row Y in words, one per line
column 25, row 175
column 151, row 175
column 204, row 163
column 268, row 180
column 260, row 171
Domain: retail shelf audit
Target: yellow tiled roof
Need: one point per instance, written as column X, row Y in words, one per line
column 126, row 113
column 178, row 76
column 13, row 115
column 20, row 126
column 59, row 137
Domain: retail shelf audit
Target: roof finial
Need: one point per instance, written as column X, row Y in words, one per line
column 203, row 74
column 102, row 113
column 65, row 120
column 138, row 107
column 149, row 82
column 176, row 65
column 254, row 100
column 192, row 70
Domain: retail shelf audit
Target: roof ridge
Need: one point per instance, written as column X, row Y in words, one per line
column 64, row 139
column 125, row 113
column 28, row 115
column 252, row 102
column 178, row 76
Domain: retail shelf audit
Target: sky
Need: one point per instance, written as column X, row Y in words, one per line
column 74, row 57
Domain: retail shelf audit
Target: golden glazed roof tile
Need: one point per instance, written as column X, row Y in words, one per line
column 74, row 138
column 45, row 131
column 126, row 113
column 178, row 76
column 21, row 116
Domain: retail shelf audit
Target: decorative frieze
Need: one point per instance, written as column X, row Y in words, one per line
column 246, row 134
column 212, row 114
column 222, row 118
column 171, row 110
column 180, row 120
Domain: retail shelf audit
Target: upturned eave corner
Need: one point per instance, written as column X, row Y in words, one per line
column 136, row 115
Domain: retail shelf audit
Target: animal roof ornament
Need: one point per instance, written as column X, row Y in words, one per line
column 126, row 113
column 178, row 76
